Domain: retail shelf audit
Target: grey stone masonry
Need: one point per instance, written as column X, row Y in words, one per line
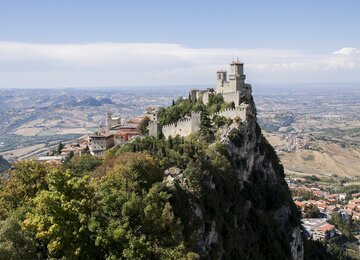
column 232, row 113
column 183, row 127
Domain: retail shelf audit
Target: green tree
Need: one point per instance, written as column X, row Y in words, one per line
column 221, row 120
column 60, row 218
column 14, row 244
column 68, row 157
column 345, row 226
column 25, row 182
column 135, row 219
column 60, row 147
column 311, row 211
column 144, row 123
column 81, row 165
column 205, row 125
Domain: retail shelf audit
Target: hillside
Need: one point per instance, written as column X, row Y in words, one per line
column 322, row 158
column 219, row 193
column 334, row 160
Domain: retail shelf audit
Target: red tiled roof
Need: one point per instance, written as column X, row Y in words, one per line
column 355, row 195
column 326, row 227
column 299, row 203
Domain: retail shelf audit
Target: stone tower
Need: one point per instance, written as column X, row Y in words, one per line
column 237, row 76
column 109, row 119
column 195, row 121
column 154, row 128
column 220, row 79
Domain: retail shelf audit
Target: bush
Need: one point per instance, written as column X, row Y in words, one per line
column 236, row 137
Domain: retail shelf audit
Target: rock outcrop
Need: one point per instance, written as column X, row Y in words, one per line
column 244, row 211
column 4, row 165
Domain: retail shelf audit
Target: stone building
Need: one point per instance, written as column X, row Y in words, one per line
column 112, row 121
column 99, row 143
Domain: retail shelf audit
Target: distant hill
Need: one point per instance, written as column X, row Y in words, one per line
column 72, row 101
column 93, row 102
column 4, row 165
column 66, row 99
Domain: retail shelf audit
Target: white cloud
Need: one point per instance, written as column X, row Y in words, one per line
column 347, row 51
column 115, row 64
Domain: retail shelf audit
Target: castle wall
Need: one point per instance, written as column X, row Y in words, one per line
column 224, row 87
column 183, row 127
column 232, row 97
column 232, row 113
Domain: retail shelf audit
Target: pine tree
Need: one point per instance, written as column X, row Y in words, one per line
column 205, row 125
column 60, row 147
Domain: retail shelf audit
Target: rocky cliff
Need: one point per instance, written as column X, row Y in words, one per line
column 239, row 207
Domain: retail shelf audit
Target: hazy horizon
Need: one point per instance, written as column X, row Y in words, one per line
column 275, row 85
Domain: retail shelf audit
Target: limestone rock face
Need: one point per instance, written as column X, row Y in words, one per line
column 245, row 212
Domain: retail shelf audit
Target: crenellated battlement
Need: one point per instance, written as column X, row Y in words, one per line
column 242, row 107
column 183, row 127
column 232, row 113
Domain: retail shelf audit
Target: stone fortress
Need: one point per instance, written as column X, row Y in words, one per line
column 233, row 90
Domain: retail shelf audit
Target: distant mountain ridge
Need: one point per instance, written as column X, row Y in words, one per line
column 69, row 100
column 93, row 102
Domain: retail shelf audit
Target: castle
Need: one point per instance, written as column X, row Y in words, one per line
column 234, row 90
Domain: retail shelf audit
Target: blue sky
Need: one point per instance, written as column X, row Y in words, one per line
column 46, row 43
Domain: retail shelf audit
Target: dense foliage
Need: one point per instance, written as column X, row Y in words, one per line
column 84, row 210
column 311, row 211
column 183, row 107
